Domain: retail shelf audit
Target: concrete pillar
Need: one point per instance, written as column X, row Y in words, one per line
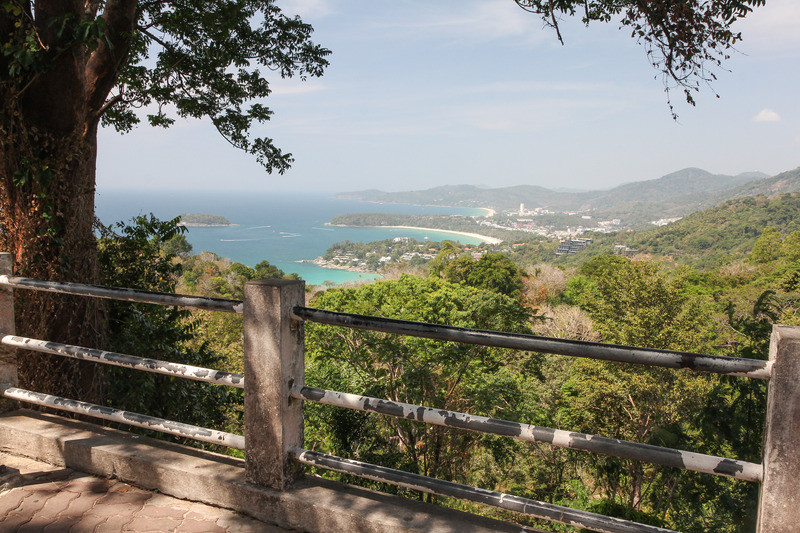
column 8, row 355
column 779, row 502
column 273, row 363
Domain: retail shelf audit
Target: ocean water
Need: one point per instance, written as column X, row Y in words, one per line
column 283, row 228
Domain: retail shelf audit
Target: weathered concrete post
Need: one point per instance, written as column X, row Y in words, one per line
column 273, row 363
column 8, row 355
column 779, row 503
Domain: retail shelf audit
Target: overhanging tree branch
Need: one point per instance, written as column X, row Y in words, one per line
column 684, row 39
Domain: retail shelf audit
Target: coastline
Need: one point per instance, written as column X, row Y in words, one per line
column 484, row 238
column 320, row 262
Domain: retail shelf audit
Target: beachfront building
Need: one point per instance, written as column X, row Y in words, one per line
column 572, row 246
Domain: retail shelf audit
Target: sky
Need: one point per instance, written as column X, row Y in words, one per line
column 421, row 94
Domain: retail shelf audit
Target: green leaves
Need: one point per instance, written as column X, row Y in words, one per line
column 24, row 49
column 92, row 32
column 22, row 53
column 12, row 8
column 32, row 171
column 685, row 40
column 190, row 59
column 133, row 255
column 202, row 58
column 768, row 246
column 459, row 377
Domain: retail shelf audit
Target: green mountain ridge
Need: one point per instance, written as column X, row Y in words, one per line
column 675, row 194
column 677, row 186
column 637, row 204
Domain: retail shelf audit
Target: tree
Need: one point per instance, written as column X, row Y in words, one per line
column 133, row 255
column 265, row 270
column 492, row 272
column 790, row 249
column 68, row 66
column 177, row 245
column 635, row 303
column 685, row 40
column 444, row 375
column 767, row 247
column 732, row 418
column 445, row 256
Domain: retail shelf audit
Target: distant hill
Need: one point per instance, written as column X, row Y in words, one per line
column 690, row 185
column 686, row 182
column 675, row 194
column 470, row 196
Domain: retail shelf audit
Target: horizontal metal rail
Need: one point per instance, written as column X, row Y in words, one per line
column 684, row 460
column 128, row 295
column 546, row 511
column 127, row 417
column 733, row 366
column 128, row 361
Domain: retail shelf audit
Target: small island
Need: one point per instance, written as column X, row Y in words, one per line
column 203, row 219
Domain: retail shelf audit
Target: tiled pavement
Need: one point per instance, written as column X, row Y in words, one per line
column 38, row 497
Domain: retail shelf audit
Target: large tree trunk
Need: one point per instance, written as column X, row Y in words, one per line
column 59, row 247
column 47, row 201
column 48, row 148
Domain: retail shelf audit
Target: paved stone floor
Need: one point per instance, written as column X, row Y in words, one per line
column 38, row 497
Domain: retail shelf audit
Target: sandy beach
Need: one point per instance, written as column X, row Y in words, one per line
column 484, row 238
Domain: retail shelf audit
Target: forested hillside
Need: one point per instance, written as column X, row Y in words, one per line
column 729, row 231
column 784, row 182
column 708, row 238
column 643, row 301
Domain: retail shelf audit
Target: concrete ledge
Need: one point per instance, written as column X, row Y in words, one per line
column 313, row 505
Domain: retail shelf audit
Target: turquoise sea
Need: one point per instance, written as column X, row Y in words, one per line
column 283, row 228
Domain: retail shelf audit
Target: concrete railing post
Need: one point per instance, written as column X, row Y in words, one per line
column 273, row 363
column 779, row 503
column 8, row 355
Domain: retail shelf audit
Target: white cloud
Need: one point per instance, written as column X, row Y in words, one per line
column 767, row 115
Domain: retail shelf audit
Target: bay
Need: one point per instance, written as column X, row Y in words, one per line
column 282, row 228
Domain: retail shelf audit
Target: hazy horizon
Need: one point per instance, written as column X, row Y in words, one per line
column 172, row 189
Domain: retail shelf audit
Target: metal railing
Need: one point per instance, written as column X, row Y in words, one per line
column 274, row 313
